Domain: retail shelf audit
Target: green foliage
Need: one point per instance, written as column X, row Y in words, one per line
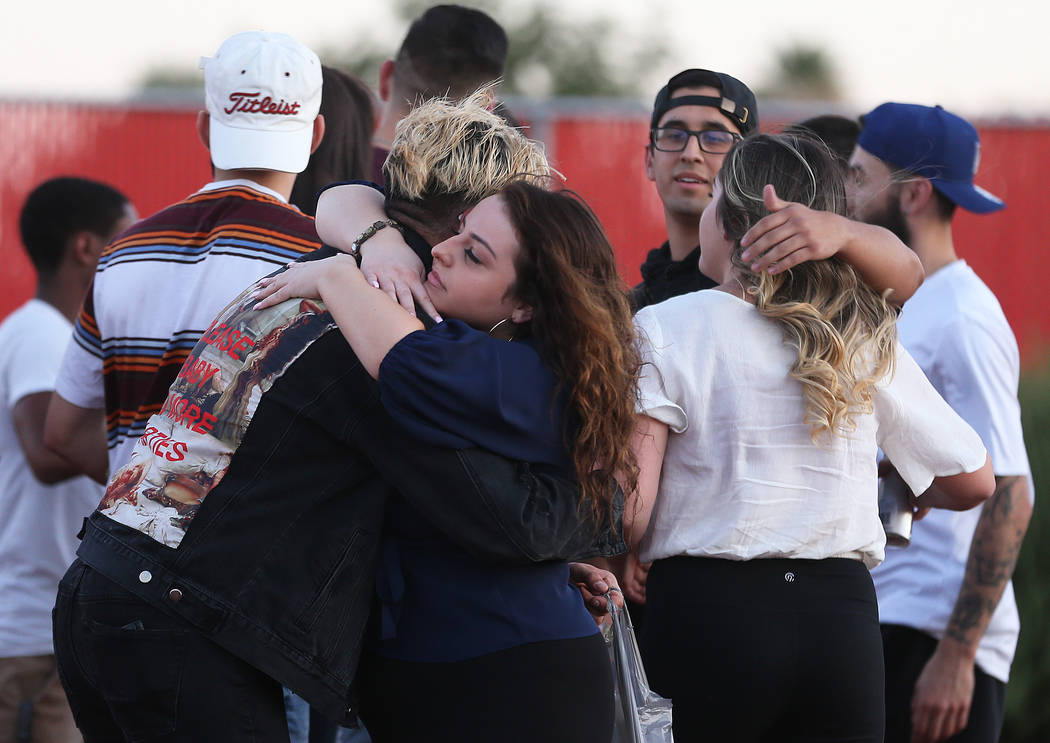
column 362, row 61
column 802, row 72
column 172, row 78
column 578, row 60
column 1027, row 714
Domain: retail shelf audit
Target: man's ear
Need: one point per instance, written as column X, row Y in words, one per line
column 84, row 249
column 522, row 313
column 915, row 195
column 386, row 80
column 318, row 133
column 649, row 163
column 204, row 129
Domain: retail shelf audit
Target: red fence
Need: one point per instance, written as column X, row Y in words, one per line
column 154, row 157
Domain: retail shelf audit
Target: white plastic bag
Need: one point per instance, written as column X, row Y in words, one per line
column 642, row 716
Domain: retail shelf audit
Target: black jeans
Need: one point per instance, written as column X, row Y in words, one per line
column 777, row 651
column 133, row 673
column 907, row 651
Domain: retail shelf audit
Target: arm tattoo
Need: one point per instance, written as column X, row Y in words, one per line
column 969, row 612
column 993, row 555
column 1002, row 500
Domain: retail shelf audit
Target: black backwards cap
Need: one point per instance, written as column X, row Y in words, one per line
column 737, row 101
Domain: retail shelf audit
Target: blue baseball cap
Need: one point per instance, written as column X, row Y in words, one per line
column 933, row 143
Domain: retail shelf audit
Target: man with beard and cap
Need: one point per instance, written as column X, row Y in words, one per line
column 950, row 622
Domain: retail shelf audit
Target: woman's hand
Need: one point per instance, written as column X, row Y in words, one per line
column 389, row 264
column 593, row 583
column 304, row 280
column 387, row 261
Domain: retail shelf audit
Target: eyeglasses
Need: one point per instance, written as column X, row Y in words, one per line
column 676, row 139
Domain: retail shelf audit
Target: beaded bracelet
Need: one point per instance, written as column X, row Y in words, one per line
column 355, row 246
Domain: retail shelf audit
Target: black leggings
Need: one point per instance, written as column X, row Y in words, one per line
column 559, row 690
column 766, row 650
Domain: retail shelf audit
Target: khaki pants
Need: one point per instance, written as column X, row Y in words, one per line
column 33, row 678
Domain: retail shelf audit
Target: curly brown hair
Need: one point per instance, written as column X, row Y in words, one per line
column 582, row 327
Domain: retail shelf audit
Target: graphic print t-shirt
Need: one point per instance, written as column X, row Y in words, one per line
column 187, row 447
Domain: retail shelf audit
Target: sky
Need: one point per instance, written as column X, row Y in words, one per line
column 981, row 59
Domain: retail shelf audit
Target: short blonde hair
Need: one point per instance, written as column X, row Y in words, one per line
column 459, row 149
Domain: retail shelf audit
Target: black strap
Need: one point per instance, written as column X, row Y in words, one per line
column 24, row 726
column 727, row 106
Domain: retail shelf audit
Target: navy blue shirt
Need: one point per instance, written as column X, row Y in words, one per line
column 456, row 386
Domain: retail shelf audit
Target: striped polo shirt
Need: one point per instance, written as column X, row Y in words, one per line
column 158, row 287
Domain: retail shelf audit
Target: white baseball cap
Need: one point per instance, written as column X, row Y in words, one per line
column 263, row 92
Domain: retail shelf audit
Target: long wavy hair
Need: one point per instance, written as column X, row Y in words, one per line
column 844, row 332
column 582, row 327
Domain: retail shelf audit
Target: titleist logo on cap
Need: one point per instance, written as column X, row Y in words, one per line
column 251, row 103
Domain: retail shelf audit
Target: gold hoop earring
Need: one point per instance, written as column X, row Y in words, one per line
column 506, row 319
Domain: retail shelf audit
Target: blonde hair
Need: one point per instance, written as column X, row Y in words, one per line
column 844, row 332
column 458, row 151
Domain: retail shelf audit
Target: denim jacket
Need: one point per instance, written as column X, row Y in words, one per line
column 257, row 518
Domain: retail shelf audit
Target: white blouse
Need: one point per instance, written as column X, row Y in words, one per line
column 742, row 478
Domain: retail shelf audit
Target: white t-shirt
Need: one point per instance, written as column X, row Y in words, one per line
column 956, row 331
column 40, row 522
column 741, row 476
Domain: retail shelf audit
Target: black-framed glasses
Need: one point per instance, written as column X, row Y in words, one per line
column 676, row 139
